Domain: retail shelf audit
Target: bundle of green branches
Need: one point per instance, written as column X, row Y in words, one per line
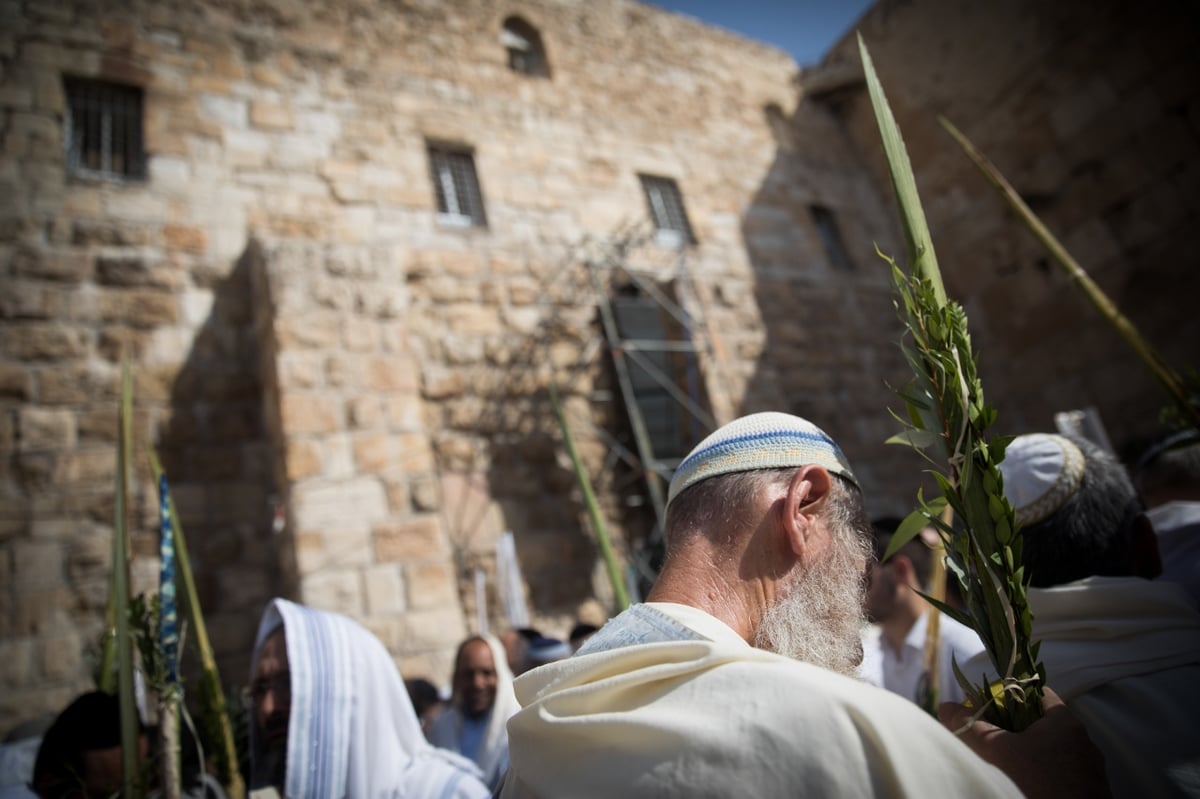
column 946, row 410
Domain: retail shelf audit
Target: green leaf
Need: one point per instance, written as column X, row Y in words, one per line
column 918, row 439
column 916, row 231
column 909, row 529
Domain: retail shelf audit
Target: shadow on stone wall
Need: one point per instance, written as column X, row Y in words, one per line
column 830, row 349
column 215, row 452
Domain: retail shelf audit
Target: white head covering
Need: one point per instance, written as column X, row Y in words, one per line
column 1041, row 471
column 352, row 731
column 768, row 440
column 492, row 757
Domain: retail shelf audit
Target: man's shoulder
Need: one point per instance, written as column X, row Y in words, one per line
column 963, row 640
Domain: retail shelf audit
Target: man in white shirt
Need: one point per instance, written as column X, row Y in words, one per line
column 894, row 647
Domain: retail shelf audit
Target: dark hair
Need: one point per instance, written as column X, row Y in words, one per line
column 917, row 552
column 92, row 721
column 422, row 693
column 1172, row 464
column 1092, row 533
column 581, row 629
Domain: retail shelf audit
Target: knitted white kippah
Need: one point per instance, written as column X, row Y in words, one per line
column 759, row 441
column 1041, row 471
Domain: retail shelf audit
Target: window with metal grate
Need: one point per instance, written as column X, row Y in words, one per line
column 667, row 211
column 103, row 130
column 459, row 200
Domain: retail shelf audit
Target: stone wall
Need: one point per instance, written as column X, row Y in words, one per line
column 350, row 397
column 1092, row 111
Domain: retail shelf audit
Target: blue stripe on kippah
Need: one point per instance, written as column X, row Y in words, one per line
column 750, row 438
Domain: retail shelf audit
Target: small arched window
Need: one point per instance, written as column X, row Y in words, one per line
column 524, row 45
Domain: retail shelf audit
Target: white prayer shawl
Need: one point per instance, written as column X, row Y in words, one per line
column 1177, row 527
column 492, row 757
column 352, row 731
column 714, row 717
column 1124, row 653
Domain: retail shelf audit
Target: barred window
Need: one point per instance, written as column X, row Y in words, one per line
column 524, row 45
column 459, row 200
column 103, row 136
column 667, row 211
column 831, row 236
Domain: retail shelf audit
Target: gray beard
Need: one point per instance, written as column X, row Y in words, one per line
column 820, row 619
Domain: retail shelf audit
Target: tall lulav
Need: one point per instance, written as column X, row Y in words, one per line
column 946, row 411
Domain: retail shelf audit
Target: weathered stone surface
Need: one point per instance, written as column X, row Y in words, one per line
column 40, row 341
column 431, row 585
column 339, row 504
column 420, row 538
column 310, row 413
column 384, row 590
column 336, row 590
column 40, row 429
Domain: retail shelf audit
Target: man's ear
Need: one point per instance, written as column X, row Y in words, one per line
column 806, row 499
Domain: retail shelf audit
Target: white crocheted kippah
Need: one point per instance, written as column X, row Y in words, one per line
column 1041, row 471
column 759, row 441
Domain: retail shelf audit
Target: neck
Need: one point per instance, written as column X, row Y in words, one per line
column 690, row 578
column 898, row 625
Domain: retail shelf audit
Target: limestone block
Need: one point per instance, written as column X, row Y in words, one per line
column 20, row 664
column 398, row 495
column 40, row 610
column 315, row 330
column 337, row 457
column 373, row 452
column 138, row 307
column 37, row 564
column 43, row 341
column 418, row 538
column 15, row 382
column 90, row 466
column 337, row 295
column 360, row 335
column 271, row 116
column 186, row 238
column 426, row 495
column 389, row 630
column 228, row 111
column 346, row 371
column 431, row 585
column 384, row 589
column 62, row 656
column 390, row 374
column 441, row 383
column 365, row 413
column 335, row 590
column 44, row 429
column 300, row 369
column 403, row 411
column 302, row 459
column 434, row 628
column 309, row 413
column 415, row 453
column 339, row 504
column 474, row 320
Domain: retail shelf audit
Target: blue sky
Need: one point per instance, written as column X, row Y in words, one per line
column 804, row 28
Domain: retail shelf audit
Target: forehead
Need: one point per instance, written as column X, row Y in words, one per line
column 273, row 655
column 476, row 655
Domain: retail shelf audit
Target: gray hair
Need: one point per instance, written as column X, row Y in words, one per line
column 722, row 505
column 1092, row 533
